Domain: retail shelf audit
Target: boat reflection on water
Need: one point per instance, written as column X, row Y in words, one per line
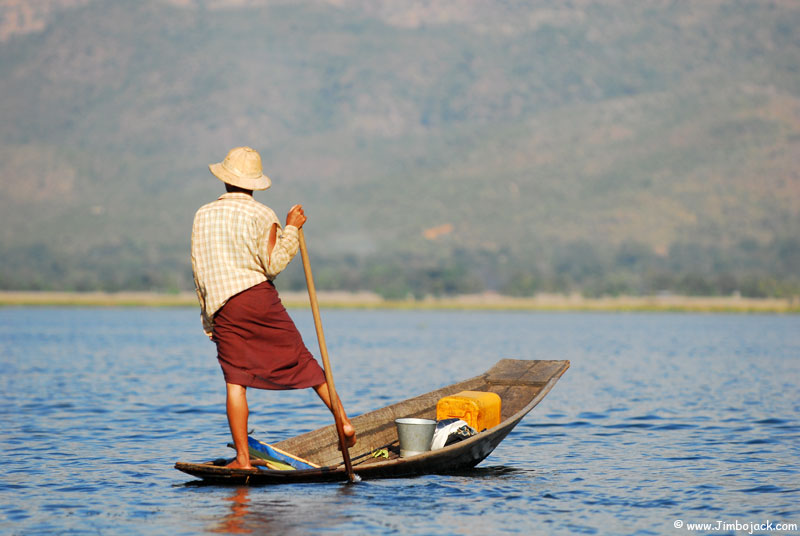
column 265, row 510
column 235, row 522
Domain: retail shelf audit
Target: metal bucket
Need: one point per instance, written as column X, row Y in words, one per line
column 416, row 435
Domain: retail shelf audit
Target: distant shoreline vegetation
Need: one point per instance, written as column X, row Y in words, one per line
column 485, row 301
column 748, row 269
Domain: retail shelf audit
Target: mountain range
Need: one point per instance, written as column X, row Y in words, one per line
column 607, row 147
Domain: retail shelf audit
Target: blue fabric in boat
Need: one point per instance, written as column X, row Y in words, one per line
column 278, row 455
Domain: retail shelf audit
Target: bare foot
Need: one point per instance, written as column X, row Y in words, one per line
column 236, row 464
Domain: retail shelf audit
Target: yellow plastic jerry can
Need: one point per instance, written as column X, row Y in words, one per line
column 480, row 410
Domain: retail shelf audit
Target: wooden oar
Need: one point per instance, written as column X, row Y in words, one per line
column 326, row 364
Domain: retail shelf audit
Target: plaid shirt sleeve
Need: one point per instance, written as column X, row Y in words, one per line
column 286, row 246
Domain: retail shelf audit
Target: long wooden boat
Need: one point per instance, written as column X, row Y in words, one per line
column 521, row 385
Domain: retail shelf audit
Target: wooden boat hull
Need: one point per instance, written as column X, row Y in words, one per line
column 520, row 384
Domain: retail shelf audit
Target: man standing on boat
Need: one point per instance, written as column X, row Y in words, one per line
column 238, row 248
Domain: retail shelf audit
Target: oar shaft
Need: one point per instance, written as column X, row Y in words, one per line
column 323, row 350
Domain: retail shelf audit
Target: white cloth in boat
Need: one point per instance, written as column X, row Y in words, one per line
column 446, row 428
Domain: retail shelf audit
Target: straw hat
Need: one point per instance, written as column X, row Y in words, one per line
column 242, row 168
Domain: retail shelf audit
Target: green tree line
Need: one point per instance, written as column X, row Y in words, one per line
column 748, row 268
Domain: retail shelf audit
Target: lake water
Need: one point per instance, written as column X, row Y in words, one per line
column 662, row 420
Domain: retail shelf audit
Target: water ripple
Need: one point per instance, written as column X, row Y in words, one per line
column 657, row 419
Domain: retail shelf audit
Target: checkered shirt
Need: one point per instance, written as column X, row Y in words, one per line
column 229, row 250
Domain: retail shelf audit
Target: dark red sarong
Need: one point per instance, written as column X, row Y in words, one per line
column 259, row 346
